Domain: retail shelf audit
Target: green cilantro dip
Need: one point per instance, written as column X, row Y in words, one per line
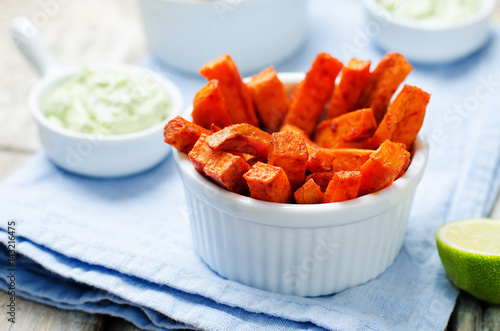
column 436, row 11
column 107, row 102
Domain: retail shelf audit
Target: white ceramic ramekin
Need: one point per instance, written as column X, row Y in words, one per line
column 100, row 155
column 424, row 42
column 306, row 250
column 95, row 155
column 257, row 33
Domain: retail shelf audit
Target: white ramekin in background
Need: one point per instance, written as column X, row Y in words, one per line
column 102, row 155
column 429, row 43
column 306, row 250
column 256, row 33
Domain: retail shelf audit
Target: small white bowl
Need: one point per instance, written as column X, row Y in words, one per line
column 306, row 250
column 428, row 42
column 257, row 33
column 99, row 155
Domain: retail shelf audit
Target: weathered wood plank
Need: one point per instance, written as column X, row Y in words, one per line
column 491, row 319
column 468, row 314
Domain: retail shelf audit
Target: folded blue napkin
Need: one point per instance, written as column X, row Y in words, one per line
column 122, row 246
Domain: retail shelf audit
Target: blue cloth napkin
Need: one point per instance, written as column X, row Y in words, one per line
column 122, row 246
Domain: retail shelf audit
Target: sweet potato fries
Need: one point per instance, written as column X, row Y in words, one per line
column 325, row 144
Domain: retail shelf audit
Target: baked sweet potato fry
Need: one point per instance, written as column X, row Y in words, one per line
column 404, row 118
column 346, row 94
column 360, row 148
column 353, row 126
column 309, row 99
column 214, row 128
column 209, row 107
column 289, row 151
column 224, row 168
column 320, row 159
column 338, row 159
column 269, row 183
column 321, row 178
column 405, row 167
column 311, row 145
column 383, row 167
column 350, row 159
column 309, row 193
column 269, row 98
column 241, row 138
column 182, row 134
column 390, row 72
column 343, row 186
column 236, row 95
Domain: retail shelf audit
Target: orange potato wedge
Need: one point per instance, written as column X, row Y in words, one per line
column 353, row 126
column 309, row 193
column 383, row 167
column 289, row 151
column 269, row 97
column 350, row 159
column 236, row 95
column 182, row 134
column 359, row 149
column 339, row 159
column 215, row 128
column 223, row 168
column 311, row 145
column 209, row 107
column 309, row 98
column 241, row 138
column 404, row 118
column 346, row 95
column 269, row 183
column 343, row 186
column 390, row 72
column 321, row 178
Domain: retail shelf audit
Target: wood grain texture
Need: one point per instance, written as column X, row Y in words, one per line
column 468, row 314
column 34, row 316
column 82, row 32
column 491, row 318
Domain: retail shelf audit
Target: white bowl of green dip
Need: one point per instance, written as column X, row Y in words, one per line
column 429, row 31
column 104, row 120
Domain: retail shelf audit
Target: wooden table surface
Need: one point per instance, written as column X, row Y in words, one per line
column 80, row 32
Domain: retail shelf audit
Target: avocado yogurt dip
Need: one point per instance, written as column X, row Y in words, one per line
column 109, row 102
column 436, row 11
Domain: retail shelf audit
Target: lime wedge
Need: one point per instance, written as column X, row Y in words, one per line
column 470, row 253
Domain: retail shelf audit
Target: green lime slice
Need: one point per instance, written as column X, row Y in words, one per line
column 470, row 253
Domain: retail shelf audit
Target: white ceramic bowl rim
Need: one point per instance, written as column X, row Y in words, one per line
column 483, row 13
column 313, row 215
column 61, row 74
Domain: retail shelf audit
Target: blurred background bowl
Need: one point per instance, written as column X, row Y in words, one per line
column 256, row 33
column 428, row 42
